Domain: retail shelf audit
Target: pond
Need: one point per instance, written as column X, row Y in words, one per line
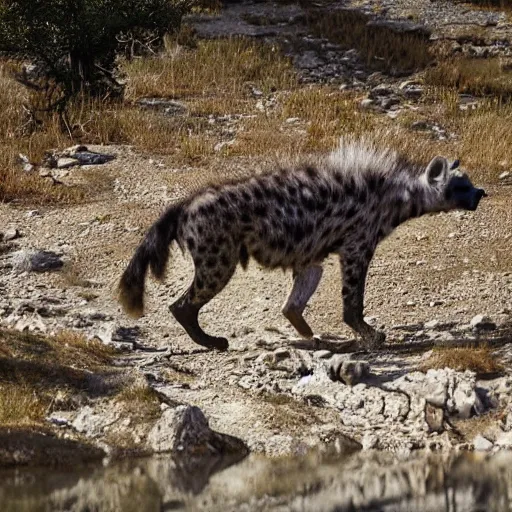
column 364, row 481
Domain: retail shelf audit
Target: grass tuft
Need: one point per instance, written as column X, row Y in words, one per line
column 480, row 360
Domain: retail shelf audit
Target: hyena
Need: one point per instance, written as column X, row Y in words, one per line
column 344, row 203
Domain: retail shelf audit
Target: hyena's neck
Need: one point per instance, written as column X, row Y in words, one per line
column 411, row 198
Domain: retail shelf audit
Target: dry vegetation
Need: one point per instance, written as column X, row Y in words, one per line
column 480, row 360
column 35, row 369
column 215, row 79
column 380, row 47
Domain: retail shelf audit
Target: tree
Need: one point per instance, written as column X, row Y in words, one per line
column 73, row 44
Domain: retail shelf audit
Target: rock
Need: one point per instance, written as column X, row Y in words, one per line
column 380, row 90
column 353, row 372
column 308, row 60
column 434, row 416
column 504, row 175
column 481, row 444
column 281, row 354
column 322, row 354
column 169, row 107
column 31, row 323
column 366, row 103
column 66, row 163
column 504, row 440
column 36, row 261
column 10, row 234
column 432, row 324
column 185, row 430
column 482, row 323
column 93, row 422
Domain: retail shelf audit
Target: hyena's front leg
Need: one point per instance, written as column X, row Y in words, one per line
column 355, row 269
column 305, row 283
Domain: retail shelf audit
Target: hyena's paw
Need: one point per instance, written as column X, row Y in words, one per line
column 372, row 341
column 216, row 343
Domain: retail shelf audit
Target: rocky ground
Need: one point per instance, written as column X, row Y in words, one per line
column 439, row 280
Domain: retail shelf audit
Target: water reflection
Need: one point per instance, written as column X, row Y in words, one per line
column 366, row 482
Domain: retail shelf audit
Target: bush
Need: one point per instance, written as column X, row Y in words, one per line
column 73, row 44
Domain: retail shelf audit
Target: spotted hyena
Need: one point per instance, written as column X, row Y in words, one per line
column 293, row 218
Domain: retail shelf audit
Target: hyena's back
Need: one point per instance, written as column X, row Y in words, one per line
column 286, row 219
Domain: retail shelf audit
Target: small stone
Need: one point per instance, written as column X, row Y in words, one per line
column 322, row 354
column 504, row 440
column 366, row 103
column 434, row 417
column 432, row 324
column 504, row 175
column 11, row 234
column 281, row 354
column 481, row 444
column 482, row 323
column 353, row 372
column 66, row 163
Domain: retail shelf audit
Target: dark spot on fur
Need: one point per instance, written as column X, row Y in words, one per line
column 345, row 291
column 200, row 230
column 246, row 196
column 298, row 233
column 213, row 286
column 368, row 254
column 201, row 249
column 260, row 210
column 349, row 187
column 336, row 195
column 223, row 202
column 214, row 249
column 224, row 260
column 191, row 243
column 245, row 218
column 351, row 212
column 352, row 281
column 292, row 191
column 199, row 283
column 311, row 172
column 362, row 196
column 258, row 193
column 211, row 262
column 396, row 220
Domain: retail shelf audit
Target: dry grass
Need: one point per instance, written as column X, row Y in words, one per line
column 380, row 47
column 33, row 368
column 21, row 405
column 217, row 69
column 480, row 77
column 480, row 360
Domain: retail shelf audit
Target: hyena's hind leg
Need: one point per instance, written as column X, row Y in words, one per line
column 305, row 282
column 213, row 273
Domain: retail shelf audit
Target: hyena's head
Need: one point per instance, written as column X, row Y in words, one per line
column 455, row 190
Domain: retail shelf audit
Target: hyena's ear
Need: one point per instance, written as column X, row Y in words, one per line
column 437, row 170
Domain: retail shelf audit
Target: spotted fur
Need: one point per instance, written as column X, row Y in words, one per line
column 293, row 218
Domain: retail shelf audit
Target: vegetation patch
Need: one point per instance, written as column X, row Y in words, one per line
column 381, row 47
column 35, row 369
column 480, row 77
column 480, row 360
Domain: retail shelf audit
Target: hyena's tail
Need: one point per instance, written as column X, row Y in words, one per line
column 153, row 252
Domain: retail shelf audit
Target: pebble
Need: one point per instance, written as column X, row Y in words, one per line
column 481, row 444
column 482, row 322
